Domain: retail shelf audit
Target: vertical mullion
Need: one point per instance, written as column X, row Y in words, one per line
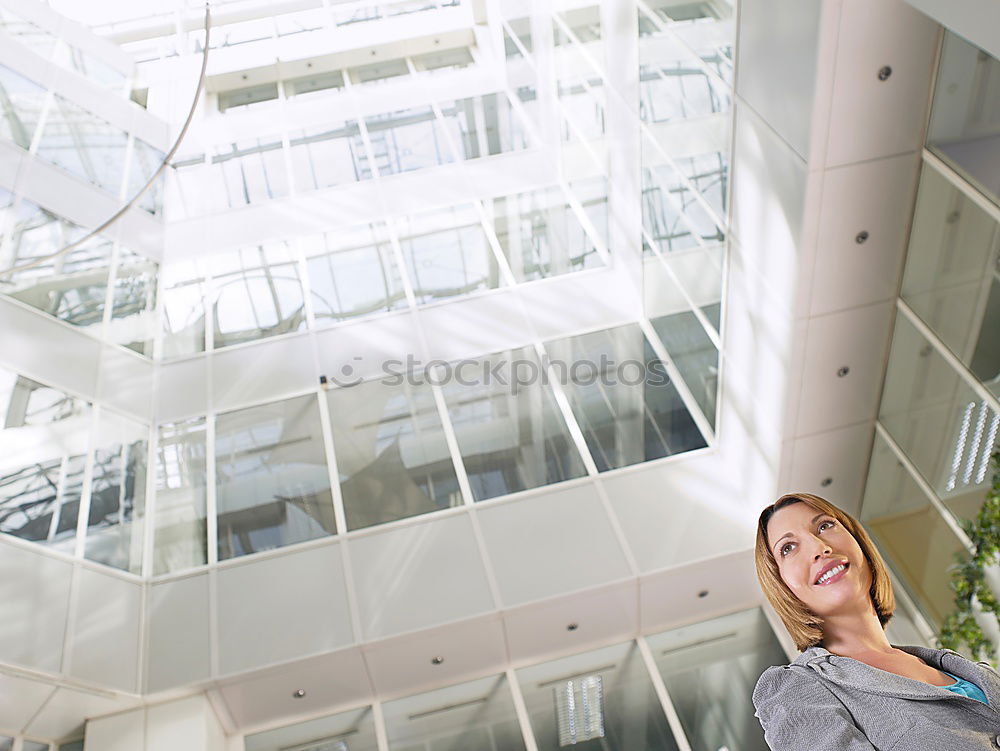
column 521, row 711
column 673, row 719
column 690, row 403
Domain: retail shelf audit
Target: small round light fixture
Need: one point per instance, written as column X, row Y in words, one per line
column 703, row 594
column 884, row 72
column 299, row 693
column 843, row 371
column 437, row 660
column 861, row 238
column 572, row 626
column 826, row 482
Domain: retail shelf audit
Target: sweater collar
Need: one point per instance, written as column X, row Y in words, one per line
column 847, row 671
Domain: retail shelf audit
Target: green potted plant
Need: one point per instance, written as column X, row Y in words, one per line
column 972, row 626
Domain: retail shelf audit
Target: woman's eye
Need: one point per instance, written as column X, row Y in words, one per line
column 786, row 548
column 825, row 525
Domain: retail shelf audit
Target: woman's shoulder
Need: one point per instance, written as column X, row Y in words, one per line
column 795, row 681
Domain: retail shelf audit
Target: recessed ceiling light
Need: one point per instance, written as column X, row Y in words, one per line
column 299, row 693
column 437, row 660
column 572, row 626
column 703, row 593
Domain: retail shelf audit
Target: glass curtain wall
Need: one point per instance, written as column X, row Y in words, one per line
column 601, row 700
column 939, row 419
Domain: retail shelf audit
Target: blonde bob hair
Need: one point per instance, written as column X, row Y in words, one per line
column 804, row 626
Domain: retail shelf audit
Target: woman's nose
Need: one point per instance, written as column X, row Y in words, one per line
column 821, row 549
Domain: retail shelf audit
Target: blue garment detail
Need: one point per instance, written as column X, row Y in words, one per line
column 963, row 687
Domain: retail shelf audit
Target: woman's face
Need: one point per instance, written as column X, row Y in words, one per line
column 819, row 560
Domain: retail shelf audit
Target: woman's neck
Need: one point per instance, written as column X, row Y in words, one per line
column 854, row 634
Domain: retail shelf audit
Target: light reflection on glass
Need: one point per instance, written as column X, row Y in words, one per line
column 510, row 437
column 271, row 477
column 180, row 539
column 391, row 451
column 622, row 397
column 43, row 448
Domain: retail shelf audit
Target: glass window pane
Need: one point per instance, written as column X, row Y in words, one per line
column 510, row 432
column 33, row 37
column 318, row 82
column 118, row 494
column 323, row 157
column 622, row 398
column 84, row 145
column 145, row 161
column 133, row 302
column 444, row 60
column 271, row 477
column 377, row 72
column 6, row 743
column 249, row 95
column 911, row 533
column 598, row 701
column 710, row 670
column 964, row 130
column 21, row 103
column 475, row 715
column 940, row 423
column 181, row 537
column 98, row 71
column 407, row 140
column 541, row 235
column 71, row 287
column 447, row 254
column 391, row 451
column 347, row 731
column 258, row 294
column 952, row 276
column 253, row 170
column 695, row 356
column 183, row 309
column 353, row 280
column 35, row 746
column 43, row 455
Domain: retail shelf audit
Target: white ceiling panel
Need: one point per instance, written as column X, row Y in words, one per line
column 407, row 663
column 264, row 371
column 679, row 511
column 68, row 710
column 182, row 389
column 573, row 623
column 35, row 590
column 418, row 576
column 177, row 646
column 840, row 456
column 869, row 117
column 856, row 339
column 698, row 591
column 104, row 642
column 281, row 608
column 875, row 198
column 20, row 699
column 551, row 543
column 267, row 697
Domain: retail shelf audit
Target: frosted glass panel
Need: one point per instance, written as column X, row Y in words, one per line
column 347, row 731
column 181, row 533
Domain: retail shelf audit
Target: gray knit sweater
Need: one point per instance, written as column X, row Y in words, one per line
column 823, row 702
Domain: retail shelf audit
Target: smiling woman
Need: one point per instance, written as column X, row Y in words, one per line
column 850, row 689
